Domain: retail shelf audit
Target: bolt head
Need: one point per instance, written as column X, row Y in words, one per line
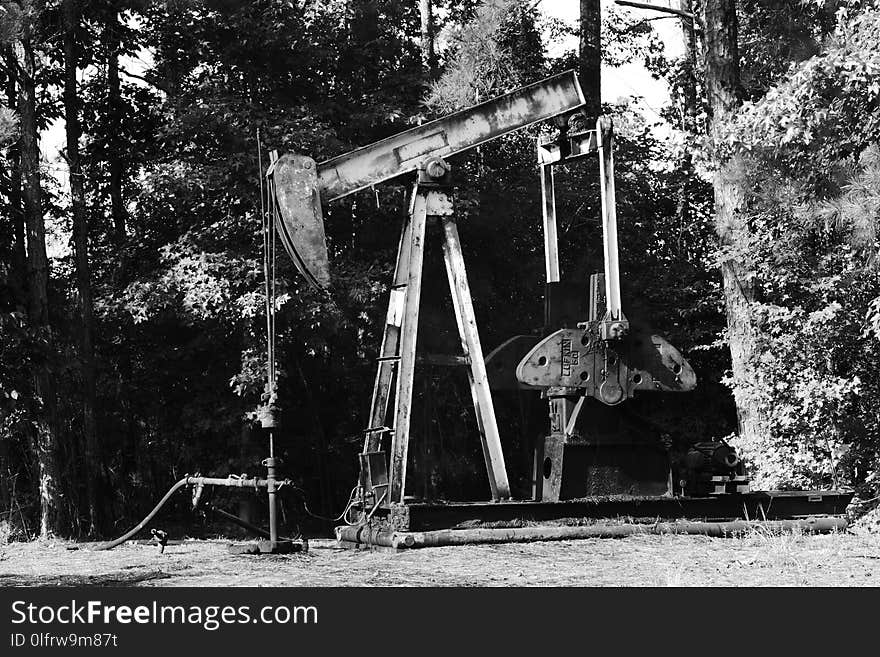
column 436, row 168
column 617, row 330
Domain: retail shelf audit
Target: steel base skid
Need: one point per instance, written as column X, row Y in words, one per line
column 427, row 524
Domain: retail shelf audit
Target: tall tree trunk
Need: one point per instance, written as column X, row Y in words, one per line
column 19, row 253
column 38, row 279
column 429, row 57
column 131, row 451
column 91, row 451
column 590, row 56
column 114, row 160
column 689, row 81
column 731, row 222
column 18, row 274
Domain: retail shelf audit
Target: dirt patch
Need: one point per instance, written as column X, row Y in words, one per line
column 789, row 559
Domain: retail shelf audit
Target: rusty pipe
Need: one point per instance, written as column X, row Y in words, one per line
column 233, row 482
column 271, row 488
column 404, row 540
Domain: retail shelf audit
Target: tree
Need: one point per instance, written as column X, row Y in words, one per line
column 18, row 273
column 731, row 221
column 590, row 55
column 811, row 174
column 688, row 76
column 91, row 453
column 492, row 53
column 113, row 155
column 427, row 31
column 38, row 273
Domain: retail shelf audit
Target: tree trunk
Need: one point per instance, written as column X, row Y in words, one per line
column 91, row 449
column 722, row 58
column 429, row 57
column 590, row 58
column 38, row 279
column 131, row 450
column 731, row 223
column 114, row 161
column 689, row 81
column 18, row 274
column 19, row 255
column 688, row 119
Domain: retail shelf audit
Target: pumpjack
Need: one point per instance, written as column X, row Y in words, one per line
column 581, row 364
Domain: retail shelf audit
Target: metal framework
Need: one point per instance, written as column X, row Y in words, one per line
column 430, row 203
column 302, row 185
column 603, row 358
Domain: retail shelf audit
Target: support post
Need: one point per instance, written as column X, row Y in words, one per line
column 470, row 341
column 272, row 490
column 565, row 407
column 609, row 216
column 551, row 242
column 409, row 331
column 615, row 324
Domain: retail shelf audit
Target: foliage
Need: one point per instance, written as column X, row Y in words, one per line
column 808, row 117
column 628, row 38
column 490, row 56
column 774, row 34
column 814, row 188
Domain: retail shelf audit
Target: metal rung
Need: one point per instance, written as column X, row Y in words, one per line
column 379, row 430
column 398, row 286
column 382, row 359
column 443, row 360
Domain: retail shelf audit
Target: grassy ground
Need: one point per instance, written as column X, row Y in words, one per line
column 789, row 559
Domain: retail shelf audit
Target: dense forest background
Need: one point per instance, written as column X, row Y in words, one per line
column 132, row 346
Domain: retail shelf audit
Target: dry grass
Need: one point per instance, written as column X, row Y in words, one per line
column 754, row 559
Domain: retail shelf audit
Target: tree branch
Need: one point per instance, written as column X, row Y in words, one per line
column 140, row 77
column 667, row 10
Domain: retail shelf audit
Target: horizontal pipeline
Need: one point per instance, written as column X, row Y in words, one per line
column 404, row 540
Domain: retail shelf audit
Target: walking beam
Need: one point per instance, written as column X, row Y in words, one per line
column 404, row 152
column 301, row 186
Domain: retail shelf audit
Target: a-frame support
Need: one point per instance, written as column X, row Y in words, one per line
column 407, row 358
column 470, row 344
column 430, row 202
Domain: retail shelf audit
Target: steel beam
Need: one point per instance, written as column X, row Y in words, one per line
column 609, row 219
column 402, row 153
column 470, row 343
column 406, row 370
column 769, row 505
column 551, row 241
